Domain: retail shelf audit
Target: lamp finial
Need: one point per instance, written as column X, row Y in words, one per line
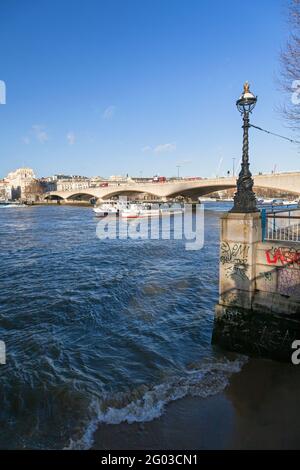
column 246, row 87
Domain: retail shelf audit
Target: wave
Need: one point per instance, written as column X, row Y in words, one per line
column 145, row 405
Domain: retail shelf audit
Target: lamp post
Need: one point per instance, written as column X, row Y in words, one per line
column 244, row 198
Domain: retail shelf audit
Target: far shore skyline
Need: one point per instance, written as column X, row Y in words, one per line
column 141, row 176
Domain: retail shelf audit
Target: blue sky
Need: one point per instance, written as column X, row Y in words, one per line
column 102, row 87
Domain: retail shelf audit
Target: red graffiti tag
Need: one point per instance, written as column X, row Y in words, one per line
column 287, row 256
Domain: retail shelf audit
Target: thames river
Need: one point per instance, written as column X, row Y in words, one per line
column 101, row 331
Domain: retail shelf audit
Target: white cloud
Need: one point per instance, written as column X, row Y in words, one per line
column 40, row 133
column 147, row 148
column 71, row 138
column 162, row 148
column 109, row 113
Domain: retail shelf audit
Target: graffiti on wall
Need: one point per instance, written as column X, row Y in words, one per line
column 257, row 332
column 235, row 259
column 288, row 278
column 267, row 276
column 289, row 282
column 287, row 256
column 229, row 298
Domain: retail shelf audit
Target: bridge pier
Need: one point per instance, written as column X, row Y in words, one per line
column 254, row 315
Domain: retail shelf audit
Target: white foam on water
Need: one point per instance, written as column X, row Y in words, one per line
column 207, row 380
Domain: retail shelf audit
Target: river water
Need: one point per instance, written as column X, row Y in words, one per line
column 101, row 331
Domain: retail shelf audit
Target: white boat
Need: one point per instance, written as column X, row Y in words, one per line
column 207, row 199
column 294, row 202
column 132, row 211
column 128, row 210
column 12, row 205
column 281, row 204
column 104, row 210
column 149, row 210
column 108, row 208
column 172, row 208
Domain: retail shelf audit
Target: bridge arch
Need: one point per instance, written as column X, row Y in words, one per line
column 281, row 190
column 81, row 196
column 200, row 190
column 128, row 192
column 53, row 197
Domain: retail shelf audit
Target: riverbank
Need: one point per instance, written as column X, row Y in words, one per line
column 259, row 409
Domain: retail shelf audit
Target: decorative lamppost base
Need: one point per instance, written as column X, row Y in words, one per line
column 244, row 202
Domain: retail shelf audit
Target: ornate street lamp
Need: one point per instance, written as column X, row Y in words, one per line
column 244, row 198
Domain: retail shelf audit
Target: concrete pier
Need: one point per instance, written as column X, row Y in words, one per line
column 259, row 293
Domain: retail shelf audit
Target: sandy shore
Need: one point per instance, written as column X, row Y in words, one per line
column 260, row 409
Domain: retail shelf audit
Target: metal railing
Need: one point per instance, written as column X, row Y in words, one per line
column 281, row 225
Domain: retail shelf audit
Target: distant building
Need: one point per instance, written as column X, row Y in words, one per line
column 62, row 182
column 33, row 191
column 48, row 184
column 74, row 183
column 66, row 177
column 5, row 190
column 96, row 181
column 18, row 181
column 118, row 178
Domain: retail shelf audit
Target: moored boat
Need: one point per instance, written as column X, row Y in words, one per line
column 104, row 211
column 132, row 211
column 108, row 208
column 12, row 205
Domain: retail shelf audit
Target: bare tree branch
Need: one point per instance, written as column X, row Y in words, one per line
column 290, row 69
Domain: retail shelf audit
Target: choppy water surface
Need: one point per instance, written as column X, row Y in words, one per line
column 100, row 330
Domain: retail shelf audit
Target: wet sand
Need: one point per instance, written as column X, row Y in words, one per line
column 259, row 409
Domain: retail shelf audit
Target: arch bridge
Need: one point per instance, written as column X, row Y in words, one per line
column 285, row 182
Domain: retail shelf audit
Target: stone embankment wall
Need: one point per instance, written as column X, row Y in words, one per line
column 259, row 303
